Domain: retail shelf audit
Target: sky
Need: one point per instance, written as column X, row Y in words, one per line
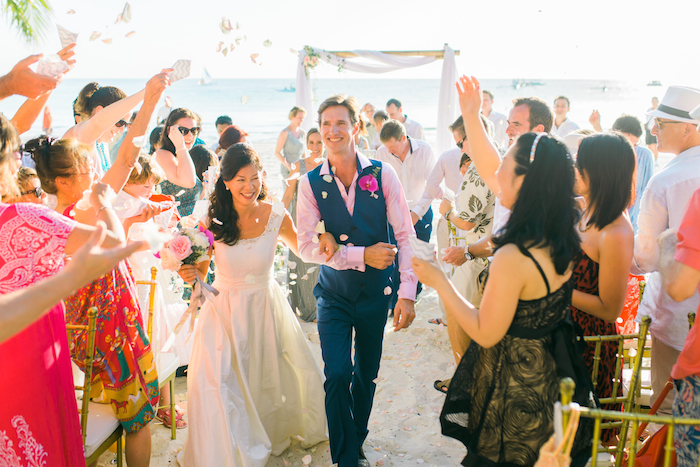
column 638, row 40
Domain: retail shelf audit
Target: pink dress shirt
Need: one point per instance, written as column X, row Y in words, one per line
column 352, row 257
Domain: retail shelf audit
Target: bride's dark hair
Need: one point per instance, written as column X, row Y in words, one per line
column 223, row 217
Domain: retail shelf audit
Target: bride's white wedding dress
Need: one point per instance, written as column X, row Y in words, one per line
column 252, row 382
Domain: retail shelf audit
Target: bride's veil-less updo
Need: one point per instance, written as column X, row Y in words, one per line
column 226, row 230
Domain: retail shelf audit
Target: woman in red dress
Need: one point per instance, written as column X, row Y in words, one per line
column 605, row 172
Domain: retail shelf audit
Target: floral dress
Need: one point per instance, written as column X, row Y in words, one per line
column 586, row 280
column 124, row 367
column 39, row 422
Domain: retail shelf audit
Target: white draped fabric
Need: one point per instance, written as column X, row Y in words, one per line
column 378, row 62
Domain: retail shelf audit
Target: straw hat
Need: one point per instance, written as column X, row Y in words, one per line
column 677, row 104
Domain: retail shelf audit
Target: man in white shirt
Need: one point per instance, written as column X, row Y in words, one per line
column 395, row 111
column 413, row 161
column 500, row 121
column 562, row 125
column 663, row 205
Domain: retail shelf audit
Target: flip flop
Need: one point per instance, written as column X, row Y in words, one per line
column 437, row 321
column 164, row 416
column 442, row 386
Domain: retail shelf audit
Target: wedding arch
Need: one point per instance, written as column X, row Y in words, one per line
column 383, row 62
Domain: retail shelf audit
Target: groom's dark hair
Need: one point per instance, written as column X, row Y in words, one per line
column 349, row 102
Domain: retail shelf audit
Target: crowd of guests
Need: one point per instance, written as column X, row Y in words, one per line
column 542, row 228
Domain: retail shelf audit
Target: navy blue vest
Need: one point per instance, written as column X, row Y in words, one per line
column 368, row 225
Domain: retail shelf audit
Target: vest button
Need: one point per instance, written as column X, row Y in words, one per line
column 353, row 228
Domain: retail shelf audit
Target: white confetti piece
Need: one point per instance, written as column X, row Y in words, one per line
column 217, row 221
column 267, row 43
column 95, row 35
column 284, row 398
column 294, row 176
column 380, row 462
column 225, row 52
column 387, row 290
column 318, row 160
column 291, row 264
column 298, row 314
column 324, row 195
column 220, row 46
column 129, row 34
column 292, row 276
column 314, row 252
column 225, row 26
column 180, row 193
column 293, row 166
column 320, row 227
column 314, row 239
column 139, row 141
column 245, row 99
column 295, row 52
column 312, row 269
column 343, row 237
column 333, row 169
column 70, row 12
column 306, row 460
column 126, row 13
column 300, row 438
column 107, row 41
column 328, row 178
column 293, row 283
column 305, row 277
column 250, row 279
column 253, row 57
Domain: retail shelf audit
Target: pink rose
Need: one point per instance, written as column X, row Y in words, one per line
column 368, row 183
column 306, row 59
column 180, row 246
column 168, row 260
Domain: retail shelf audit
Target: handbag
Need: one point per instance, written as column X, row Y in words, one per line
column 553, row 455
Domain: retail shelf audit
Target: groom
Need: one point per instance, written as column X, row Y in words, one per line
column 357, row 199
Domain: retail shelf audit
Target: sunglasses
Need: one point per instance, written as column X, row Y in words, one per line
column 36, row 191
column 461, row 143
column 660, row 124
column 185, row 131
column 121, row 123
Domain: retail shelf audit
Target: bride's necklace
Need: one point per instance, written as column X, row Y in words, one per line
column 104, row 162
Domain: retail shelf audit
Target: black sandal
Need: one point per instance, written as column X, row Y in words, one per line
column 442, row 386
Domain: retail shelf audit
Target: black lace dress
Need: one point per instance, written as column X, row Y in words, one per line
column 500, row 402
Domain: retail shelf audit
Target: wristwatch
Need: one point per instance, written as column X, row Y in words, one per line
column 468, row 256
column 447, row 215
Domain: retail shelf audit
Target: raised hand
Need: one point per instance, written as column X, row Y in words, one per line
column 470, row 97
column 176, row 137
column 102, row 195
column 380, row 255
column 67, row 53
column 594, row 120
column 23, row 81
column 156, row 86
column 428, row 272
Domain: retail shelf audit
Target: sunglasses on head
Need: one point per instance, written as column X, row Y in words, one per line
column 36, row 191
column 121, row 123
column 185, row 131
column 461, row 143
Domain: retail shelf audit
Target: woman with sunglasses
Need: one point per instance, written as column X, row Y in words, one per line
column 176, row 140
column 30, row 187
column 107, row 110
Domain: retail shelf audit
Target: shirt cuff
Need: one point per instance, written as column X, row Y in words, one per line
column 356, row 258
column 407, row 290
column 419, row 211
column 688, row 256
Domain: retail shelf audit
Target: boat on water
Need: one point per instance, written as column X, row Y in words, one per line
column 654, row 83
column 288, row 89
column 519, row 83
column 205, row 79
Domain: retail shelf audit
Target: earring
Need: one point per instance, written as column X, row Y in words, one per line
column 227, row 189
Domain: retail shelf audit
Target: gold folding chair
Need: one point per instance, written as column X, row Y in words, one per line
column 100, row 427
column 628, row 400
column 168, row 363
column 567, row 391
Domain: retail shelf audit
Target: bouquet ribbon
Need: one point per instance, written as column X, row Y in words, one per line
column 202, row 291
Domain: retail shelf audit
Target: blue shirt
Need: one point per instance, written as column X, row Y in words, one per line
column 645, row 170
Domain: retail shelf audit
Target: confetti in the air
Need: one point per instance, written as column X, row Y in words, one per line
column 126, row 13
column 129, row 34
column 225, row 26
column 267, row 43
column 70, row 12
column 220, row 46
column 253, row 57
column 245, row 99
column 107, row 41
column 225, row 51
column 95, row 35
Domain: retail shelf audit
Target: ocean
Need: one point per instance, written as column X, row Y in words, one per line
column 265, row 114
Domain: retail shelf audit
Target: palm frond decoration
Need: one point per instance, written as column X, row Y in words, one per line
column 31, row 18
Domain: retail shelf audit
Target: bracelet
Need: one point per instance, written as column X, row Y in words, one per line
column 181, row 149
column 104, row 207
column 447, row 214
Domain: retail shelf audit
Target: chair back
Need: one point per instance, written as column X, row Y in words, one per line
column 151, row 300
column 89, row 358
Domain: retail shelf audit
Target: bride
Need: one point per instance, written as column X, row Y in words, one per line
column 252, row 382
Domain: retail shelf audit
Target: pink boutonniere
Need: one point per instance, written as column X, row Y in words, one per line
column 369, row 183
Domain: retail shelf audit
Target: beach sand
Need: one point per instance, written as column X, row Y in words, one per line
column 404, row 429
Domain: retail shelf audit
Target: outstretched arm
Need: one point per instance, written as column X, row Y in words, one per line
column 484, row 153
column 21, row 80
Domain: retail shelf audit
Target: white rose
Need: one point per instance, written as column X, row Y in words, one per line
column 168, row 260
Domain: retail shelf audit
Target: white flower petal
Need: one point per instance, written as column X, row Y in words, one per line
column 387, row 290
column 328, row 178
column 343, row 237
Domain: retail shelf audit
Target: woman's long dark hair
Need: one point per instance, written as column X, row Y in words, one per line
column 609, row 163
column 174, row 116
column 226, row 230
column 545, row 213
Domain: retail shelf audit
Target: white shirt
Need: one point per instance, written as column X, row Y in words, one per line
column 663, row 205
column 447, row 169
column 413, row 172
column 500, row 123
column 566, row 127
column 414, row 129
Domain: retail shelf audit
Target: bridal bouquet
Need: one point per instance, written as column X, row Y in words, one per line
column 190, row 246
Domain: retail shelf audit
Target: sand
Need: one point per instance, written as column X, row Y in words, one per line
column 404, row 428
